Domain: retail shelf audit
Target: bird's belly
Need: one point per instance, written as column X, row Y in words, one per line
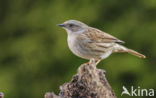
column 106, row 54
column 77, row 49
column 80, row 50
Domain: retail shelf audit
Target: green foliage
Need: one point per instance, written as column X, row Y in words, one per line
column 34, row 56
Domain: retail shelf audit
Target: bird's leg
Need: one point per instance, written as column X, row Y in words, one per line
column 92, row 60
column 88, row 63
column 98, row 61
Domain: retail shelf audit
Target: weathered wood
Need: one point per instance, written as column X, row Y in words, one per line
column 1, row 95
column 89, row 82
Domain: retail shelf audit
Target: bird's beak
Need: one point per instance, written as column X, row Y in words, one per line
column 61, row 25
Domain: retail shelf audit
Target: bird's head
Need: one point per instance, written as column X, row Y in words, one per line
column 73, row 26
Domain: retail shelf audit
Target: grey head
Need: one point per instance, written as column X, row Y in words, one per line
column 73, row 26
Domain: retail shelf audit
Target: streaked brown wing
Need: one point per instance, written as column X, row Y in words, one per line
column 98, row 36
column 96, row 42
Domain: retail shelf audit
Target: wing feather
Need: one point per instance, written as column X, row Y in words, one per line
column 98, row 36
column 96, row 41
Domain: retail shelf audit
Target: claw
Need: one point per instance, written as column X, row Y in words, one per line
column 88, row 63
column 91, row 61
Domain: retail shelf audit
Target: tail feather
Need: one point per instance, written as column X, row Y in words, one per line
column 136, row 53
column 120, row 48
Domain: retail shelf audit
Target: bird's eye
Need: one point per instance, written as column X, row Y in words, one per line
column 71, row 25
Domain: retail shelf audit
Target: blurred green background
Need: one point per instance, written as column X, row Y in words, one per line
column 34, row 56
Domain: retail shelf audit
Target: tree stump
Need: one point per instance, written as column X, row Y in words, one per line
column 89, row 82
column 1, row 95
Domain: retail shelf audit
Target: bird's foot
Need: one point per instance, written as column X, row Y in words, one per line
column 98, row 61
column 91, row 61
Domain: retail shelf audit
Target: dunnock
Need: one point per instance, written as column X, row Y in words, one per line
column 88, row 42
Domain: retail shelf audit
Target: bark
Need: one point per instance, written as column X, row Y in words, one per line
column 1, row 95
column 89, row 82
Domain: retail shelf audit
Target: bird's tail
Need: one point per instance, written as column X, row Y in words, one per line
column 120, row 48
column 135, row 53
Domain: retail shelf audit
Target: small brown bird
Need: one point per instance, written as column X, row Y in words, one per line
column 88, row 42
